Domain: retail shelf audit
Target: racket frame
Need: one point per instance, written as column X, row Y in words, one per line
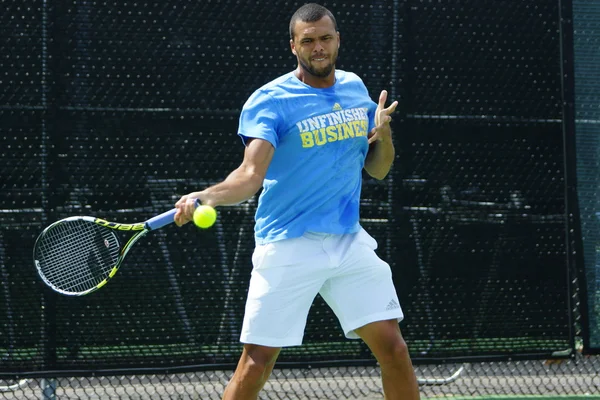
column 140, row 229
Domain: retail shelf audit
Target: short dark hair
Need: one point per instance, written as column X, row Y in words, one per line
column 310, row 12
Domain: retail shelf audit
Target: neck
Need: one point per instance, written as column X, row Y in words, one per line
column 315, row 81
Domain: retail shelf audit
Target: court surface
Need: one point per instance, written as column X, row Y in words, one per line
column 571, row 380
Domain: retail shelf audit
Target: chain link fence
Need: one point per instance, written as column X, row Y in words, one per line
column 116, row 109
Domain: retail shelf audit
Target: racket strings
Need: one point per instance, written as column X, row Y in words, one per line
column 75, row 256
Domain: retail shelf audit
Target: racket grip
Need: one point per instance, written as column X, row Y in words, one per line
column 165, row 218
column 161, row 220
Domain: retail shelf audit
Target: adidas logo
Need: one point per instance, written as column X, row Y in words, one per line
column 392, row 305
column 337, row 107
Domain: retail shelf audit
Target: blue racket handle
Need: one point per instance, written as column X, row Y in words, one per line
column 163, row 219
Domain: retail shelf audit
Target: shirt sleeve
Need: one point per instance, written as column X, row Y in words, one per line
column 259, row 119
column 371, row 106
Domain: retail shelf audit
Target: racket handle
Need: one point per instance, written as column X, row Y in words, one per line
column 161, row 220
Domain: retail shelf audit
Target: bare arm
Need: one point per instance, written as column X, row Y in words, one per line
column 381, row 147
column 240, row 184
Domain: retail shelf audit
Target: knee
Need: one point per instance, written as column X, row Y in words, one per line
column 393, row 354
column 253, row 370
column 257, row 362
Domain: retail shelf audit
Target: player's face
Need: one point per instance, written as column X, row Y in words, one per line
column 316, row 46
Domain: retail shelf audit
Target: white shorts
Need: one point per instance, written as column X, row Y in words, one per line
column 288, row 274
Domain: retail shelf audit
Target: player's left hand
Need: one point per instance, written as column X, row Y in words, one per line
column 382, row 131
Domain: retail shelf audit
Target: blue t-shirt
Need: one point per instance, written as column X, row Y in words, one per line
column 320, row 137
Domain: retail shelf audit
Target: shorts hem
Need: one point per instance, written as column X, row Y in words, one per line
column 271, row 342
column 358, row 323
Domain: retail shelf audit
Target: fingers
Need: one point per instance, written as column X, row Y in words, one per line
column 185, row 210
column 380, row 107
column 382, row 118
column 382, row 98
column 392, row 108
column 181, row 218
column 181, row 201
column 373, row 136
column 178, row 214
column 388, row 111
column 386, row 118
column 178, row 218
column 382, row 114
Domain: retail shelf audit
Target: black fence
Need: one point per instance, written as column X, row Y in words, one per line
column 116, row 109
column 586, row 20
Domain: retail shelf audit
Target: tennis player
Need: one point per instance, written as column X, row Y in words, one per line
column 308, row 135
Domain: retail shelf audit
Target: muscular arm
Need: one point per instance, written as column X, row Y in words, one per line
column 380, row 158
column 240, row 184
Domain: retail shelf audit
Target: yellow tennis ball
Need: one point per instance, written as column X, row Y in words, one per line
column 205, row 216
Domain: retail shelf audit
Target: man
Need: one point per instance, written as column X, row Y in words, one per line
column 308, row 135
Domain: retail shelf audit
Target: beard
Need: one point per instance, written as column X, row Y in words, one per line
column 322, row 72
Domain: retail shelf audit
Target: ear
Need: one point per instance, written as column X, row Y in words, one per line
column 293, row 47
column 338, row 38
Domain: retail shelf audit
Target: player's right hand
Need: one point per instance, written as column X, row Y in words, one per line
column 186, row 206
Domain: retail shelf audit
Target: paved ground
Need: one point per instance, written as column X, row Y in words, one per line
column 573, row 377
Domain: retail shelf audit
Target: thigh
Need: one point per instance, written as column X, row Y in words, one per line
column 380, row 336
column 286, row 277
column 362, row 291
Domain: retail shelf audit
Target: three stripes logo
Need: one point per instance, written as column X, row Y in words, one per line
column 392, row 305
column 337, row 107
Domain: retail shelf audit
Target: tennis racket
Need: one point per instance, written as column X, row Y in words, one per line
column 76, row 256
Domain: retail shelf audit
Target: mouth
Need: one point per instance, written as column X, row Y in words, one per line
column 319, row 59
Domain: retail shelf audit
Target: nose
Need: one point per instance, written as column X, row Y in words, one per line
column 319, row 47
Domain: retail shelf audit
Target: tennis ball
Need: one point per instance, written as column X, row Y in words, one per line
column 205, row 216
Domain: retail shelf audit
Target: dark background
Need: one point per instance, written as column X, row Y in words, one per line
column 115, row 109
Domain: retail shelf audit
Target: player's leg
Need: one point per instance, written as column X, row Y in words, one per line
column 387, row 344
column 286, row 277
column 363, row 297
column 253, row 370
